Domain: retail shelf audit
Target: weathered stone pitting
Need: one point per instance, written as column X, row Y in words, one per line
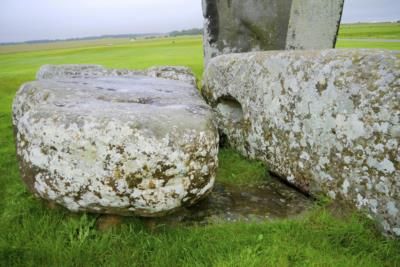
column 327, row 120
column 147, row 147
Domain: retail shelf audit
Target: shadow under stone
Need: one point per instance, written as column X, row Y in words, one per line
column 260, row 202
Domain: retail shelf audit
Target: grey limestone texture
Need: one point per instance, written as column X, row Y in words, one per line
column 236, row 26
column 178, row 73
column 327, row 120
column 115, row 141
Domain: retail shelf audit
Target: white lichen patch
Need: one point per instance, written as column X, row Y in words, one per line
column 328, row 120
column 120, row 144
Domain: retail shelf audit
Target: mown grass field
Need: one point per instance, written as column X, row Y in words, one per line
column 33, row 235
column 364, row 35
column 370, row 31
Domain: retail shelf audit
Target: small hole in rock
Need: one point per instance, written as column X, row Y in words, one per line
column 229, row 108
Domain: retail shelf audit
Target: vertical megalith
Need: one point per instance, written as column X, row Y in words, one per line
column 314, row 24
column 234, row 26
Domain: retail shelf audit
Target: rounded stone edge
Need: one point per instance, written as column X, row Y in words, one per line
column 82, row 71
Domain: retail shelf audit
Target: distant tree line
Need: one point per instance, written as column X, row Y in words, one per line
column 108, row 36
column 194, row 31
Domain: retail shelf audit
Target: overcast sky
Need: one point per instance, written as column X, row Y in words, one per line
column 22, row 20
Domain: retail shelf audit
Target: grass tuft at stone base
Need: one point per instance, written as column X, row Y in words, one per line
column 236, row 169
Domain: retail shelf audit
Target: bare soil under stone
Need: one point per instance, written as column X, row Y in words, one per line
column 259, row 202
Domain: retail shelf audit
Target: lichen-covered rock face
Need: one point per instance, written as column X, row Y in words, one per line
column 115, row 142
column 236, row 26
column 327, row 120
column 178, row 73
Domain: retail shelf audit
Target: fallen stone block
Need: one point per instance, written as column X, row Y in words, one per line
column 237, row 26
column 115, row 141
column 327, row 120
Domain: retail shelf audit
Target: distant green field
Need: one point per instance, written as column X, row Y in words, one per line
column 370, row 31
column 358, row 43
column 364, row 35
column 32, row 235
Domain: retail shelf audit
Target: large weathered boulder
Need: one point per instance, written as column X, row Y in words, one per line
column 327, row 120
column 236, row 26
column 113, row 141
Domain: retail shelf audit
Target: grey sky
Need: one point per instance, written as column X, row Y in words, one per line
column 22, row 20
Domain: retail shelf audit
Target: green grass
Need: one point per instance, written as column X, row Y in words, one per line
column 235, row 169
column 367, row 35
column 348, row 43
column 371, row 31
column 32, row 235
column 35, row 236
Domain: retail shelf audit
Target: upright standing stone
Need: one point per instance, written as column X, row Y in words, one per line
column 314, row 24
column 236, row 26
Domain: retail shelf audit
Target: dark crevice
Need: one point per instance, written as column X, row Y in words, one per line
column 289, row 184
column 211, row 13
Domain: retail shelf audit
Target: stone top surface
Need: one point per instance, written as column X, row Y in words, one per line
column 158, row 103
column 48, row 72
